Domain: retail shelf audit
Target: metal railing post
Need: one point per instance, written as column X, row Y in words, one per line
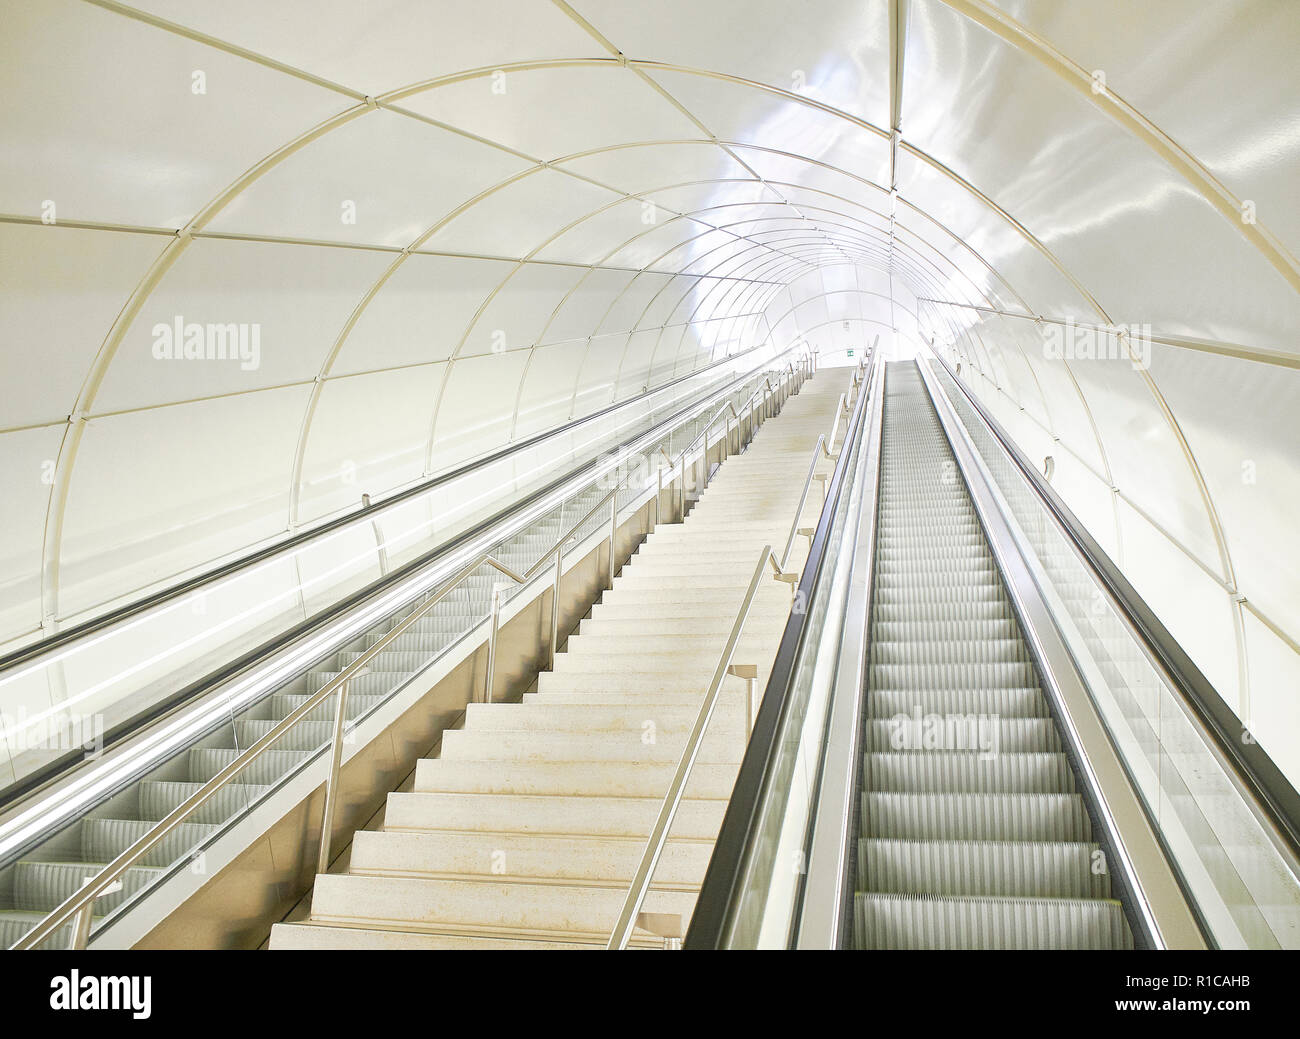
column 490, row 677
column 803, row 500
column 613, row 535
column 555, row 605
column 332, row 780
column 80, row 937
column 681, row 490
column 748, row 672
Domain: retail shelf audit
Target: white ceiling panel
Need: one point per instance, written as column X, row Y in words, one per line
column 553, row 112
column 283, row 304
column 839, row 57
column 650, row 166
column 60, row 290
column 521, row 217
column 382, row 45
column 131, row 142
column 381, row 179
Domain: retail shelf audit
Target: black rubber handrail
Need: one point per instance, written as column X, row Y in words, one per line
column 128, row 727
column 1277, row 797
column 719, row 887
column 148, row 602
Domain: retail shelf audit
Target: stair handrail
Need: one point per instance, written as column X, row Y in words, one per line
column 640, row 886
column 764, row 390
column 817, row 453
column 848, row 399
column 78, row 906
column 825, row 443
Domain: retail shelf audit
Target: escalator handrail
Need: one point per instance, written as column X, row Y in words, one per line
column 80, row 902
column 719, row 887
column 1275, row 796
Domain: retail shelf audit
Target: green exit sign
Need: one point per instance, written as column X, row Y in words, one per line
column 850, row 353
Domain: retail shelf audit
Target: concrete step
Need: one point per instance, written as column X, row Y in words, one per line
column 632, row 684
column 310, row 935
column 512, row 856
column 711, row 610
column 598, row 720
column 541, row 813
column 588, row 778
column 651, row 662
column 715, row 627
column 718, row 745
column 628, row 646
column 732, row 691
column 500, row 907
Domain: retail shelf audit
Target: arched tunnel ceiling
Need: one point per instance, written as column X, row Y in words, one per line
column 455, row 225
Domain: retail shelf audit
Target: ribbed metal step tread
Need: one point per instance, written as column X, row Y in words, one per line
column 158, row 798
column 966, row 816
column 103, row 840
column 969, row 772
column 908, row 922
column 1022, row 702
column 947, row 732
column 42, row 886
column 1021, row 869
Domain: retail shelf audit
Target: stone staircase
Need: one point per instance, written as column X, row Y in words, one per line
column 526, row 831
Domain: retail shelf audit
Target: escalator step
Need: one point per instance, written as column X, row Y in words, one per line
column 969, row 772
column 997, row 817
column 938, row 732
column 15, row 923
column 158, row 798
column 986, row 868
column 206, row 762
column 103, row 840
column 905, row 922
column 307, row 735
column 1027, row 702
column 951, row 676
column 42, row 886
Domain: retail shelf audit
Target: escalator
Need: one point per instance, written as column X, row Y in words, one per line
column 973, row 832
column 976, row 735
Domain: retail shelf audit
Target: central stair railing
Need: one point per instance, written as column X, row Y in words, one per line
column 630, row 916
